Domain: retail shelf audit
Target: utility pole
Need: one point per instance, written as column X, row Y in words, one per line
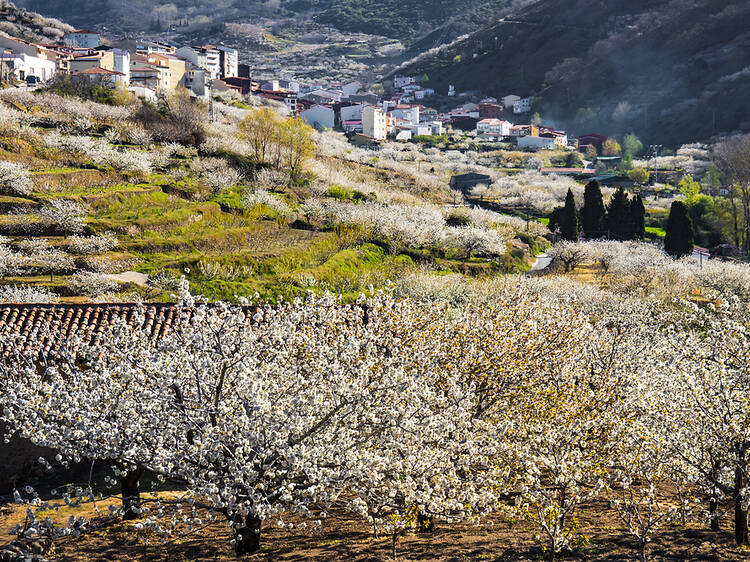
column 655, row 148
column 210, row 100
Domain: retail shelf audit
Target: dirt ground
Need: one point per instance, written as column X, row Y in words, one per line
column 342, row 538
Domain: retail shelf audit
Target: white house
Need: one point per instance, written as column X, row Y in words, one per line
column 352, row 113
column 122, row 65
column 536, row 143
column 523, row 105
column 318, row 117
column 82, row 38
column 437, row 128
column 207, row 57
column 498, row 127
column 423, row 93
column 403, row 135
column 400, row 81
column 421, row 130
column 288, row 85
column 195, row 80
column 411, row 114
column 510, row 100
column 143, row 93
column 22, row 66
column 374, row 122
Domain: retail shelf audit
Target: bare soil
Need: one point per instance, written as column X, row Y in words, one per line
column 343, row 538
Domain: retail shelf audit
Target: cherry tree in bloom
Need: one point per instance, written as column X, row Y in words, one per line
column 703, row 399
column 258, row 410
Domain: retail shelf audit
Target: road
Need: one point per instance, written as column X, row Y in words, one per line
column 541, row 263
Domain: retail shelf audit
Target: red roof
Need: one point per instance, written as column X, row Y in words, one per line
column 98, row 71
column 87, row 31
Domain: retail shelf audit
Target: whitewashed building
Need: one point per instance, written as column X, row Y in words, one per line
column 82, row 38
column 22, row 66
column 121, row 64
column 207, row 57
column 509, row 101
column 400, row 81
column 523, row 105
column 498, row 127
column 352, row 113
column 318, row 117
column 411, row 114
column 374, row 122
column 536, row 143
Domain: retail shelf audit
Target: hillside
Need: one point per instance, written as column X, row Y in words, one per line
column 672, row 71
column 442, row 20
column 30, row 26
column 437, row 20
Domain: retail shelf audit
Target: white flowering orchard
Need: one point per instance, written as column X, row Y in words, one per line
column 443, row 400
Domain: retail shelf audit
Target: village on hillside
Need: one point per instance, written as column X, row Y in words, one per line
column 147, row 67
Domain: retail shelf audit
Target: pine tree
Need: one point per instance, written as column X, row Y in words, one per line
column 593, row 210
column 637, row 218
column 618, row 215
column 679, row 239
column 569, row 220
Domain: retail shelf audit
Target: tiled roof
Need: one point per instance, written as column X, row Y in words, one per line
column 98, row 70
column 57, row 323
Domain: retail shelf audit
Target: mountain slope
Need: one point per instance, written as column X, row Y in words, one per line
column 29, row 26
column 408, row 21
column 673, row 71
column 391, row 18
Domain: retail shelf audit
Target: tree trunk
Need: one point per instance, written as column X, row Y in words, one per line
column 713, row 501
column 246, row 534
column 740, row 514
column 131, row 495
column 642, row 550
column 713, row 508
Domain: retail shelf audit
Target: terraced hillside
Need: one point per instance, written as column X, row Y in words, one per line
column 99, row 203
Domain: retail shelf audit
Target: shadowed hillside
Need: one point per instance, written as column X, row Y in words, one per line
column 669, row 70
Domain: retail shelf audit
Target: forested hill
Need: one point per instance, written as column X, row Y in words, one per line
column 670, row 70
column 437, row 21
column 410, row 21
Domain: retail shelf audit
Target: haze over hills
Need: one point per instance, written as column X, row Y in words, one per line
column 439, row 20
column 671, row 70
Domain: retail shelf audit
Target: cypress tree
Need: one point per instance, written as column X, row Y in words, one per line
column 618, row 215
column 679, row 239
column 593, row 210
column 569, row 220
column 637, row 218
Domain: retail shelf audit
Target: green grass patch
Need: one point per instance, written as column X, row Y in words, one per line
column 660, row 232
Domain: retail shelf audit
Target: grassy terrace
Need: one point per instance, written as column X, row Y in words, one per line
column 169, row 223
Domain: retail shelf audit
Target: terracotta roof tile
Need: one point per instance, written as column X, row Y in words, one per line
column 56, row 324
